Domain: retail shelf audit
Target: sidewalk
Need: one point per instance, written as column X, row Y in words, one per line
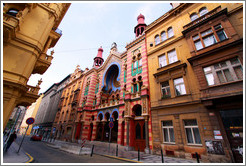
column 11, row 156
column 102, row 148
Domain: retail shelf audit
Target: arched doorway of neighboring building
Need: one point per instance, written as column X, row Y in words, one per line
column 100, row 128
column 122, row 129
column 139, row 126
column 90, row 131
column 114, row 131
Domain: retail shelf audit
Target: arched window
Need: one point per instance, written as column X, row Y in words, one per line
column 157, row 39
column 170, row 32
column 203, row 11
column 193, row 16
column 13, row 12
column 163, row 36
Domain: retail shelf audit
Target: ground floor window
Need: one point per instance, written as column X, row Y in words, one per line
column 168, row 132
column 192, row 132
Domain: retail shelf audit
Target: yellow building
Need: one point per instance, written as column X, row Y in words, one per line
column 188, row 113
column 30, row 112
column 29, row 30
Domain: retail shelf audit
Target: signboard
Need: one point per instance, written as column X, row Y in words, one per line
column 111, row 125
column 30, row 121
column 111, row 119
column 217, row 134
column 214, row 147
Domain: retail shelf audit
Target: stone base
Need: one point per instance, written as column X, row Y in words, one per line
column 128, row 148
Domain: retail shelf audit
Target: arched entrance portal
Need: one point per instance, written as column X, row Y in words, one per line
column 114, row 131
column 139, row 128
column 100, row 128
column 90, row 132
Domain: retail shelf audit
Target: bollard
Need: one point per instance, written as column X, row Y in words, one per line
column 117, row 150
column 138, row 154
column 197, row 157
column 162, row 158
column 92, row 150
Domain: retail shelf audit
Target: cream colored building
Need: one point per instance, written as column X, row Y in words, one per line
column 30, row 112
column 29, row 30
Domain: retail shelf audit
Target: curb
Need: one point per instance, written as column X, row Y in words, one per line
column 119, row 158
column 31, row 158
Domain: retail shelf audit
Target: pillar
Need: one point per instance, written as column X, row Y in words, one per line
column 146, row 118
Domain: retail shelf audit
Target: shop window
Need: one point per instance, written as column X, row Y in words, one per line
column 192, row 132
column 193, row 16
column 226, row 71
column 157, row 39
column 168, row 132
column 179, row 86
column 165, row 90
column 170, row 32
column 209, row 37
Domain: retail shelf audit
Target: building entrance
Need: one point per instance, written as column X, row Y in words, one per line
column 139, row 135
column 233, row 124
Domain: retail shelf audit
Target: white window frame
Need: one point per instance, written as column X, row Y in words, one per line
column 180, row 86
column 172, row 56
column 162, row 60
column 192, row 133
column 170, row 32
column 214, row 71
column 168, row 128
column 165, row 88
column 157, row 39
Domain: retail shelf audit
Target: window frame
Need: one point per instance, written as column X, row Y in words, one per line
column 157, row 40
column 192, row 132
column 229, row 66
column 166, row 89
column 194, row 14
column 164, row 58
column 179, row 84
column 170, row 56
column 168, row 32
column 168, row 131
column 211, row 31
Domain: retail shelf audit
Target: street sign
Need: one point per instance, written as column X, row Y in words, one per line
column 30, row 121
column 111, row 125
column 111, row 119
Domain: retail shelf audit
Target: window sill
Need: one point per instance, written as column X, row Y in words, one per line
column 168, row 65
column 169, row 143
column 198, row 145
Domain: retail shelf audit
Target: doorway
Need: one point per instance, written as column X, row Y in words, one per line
column 139, row 135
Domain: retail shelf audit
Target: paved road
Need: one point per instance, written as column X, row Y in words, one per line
column 45, row 154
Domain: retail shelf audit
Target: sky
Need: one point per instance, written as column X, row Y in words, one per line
column 90, row 25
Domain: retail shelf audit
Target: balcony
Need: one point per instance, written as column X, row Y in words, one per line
column 55, row 34
column 10, row 26
column 42, row 64
column 210, row 15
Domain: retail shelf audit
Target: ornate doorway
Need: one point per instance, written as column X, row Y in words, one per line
column 139, row 135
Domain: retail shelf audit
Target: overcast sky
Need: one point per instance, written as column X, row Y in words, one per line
column 87, row 26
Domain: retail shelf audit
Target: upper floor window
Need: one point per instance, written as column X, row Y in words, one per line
column 209, row 37
column 227, row 71
column 165, row 90
column 13, row 12
column 163, row 36
column 193, row 16
column 140, row 62
column 170, row 32
column 172, row 56
column 162, row 60
column 157, row 39
column 179, row 86
column 203, row 11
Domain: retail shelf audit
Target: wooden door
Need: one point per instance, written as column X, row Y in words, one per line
column 139, row 142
